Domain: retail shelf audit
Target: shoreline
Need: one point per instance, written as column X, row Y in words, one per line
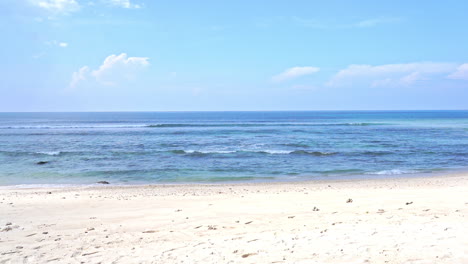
column 403, row 220
column 323, row 180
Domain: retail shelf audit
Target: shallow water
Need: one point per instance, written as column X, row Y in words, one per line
column 174, row 147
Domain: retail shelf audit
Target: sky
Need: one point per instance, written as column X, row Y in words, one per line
column 149, row 55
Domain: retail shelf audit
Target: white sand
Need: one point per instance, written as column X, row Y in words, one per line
column 247, row 223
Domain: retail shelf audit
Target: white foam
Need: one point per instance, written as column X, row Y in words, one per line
column 75, row 126
column 210, row 151
column 39, row 186
column 392, row 172
column 50, row 153
column 277, row 151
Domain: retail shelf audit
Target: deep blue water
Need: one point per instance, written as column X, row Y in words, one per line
column 170, row 147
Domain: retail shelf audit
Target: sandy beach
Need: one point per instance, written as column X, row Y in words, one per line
column 413, row 220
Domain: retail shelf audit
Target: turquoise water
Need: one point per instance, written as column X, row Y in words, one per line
column 179, row 147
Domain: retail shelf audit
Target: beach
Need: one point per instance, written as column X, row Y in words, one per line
column 399, row 220
column 138, row 131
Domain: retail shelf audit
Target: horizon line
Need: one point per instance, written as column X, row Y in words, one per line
column 205, row 111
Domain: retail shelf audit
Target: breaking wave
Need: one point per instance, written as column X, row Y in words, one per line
column 392, row 172
column 270, row 152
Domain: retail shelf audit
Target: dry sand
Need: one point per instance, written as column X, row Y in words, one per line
column 417, row 220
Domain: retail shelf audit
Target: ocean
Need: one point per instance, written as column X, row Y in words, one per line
column 219, row 147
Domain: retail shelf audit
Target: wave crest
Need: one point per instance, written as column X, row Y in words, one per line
column 392, row 172
column 269, row 152
column 49, row 153
column 312, row 153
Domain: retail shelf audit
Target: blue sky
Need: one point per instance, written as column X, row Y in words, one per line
column 141, row 55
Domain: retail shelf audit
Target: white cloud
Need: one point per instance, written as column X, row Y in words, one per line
column 64, row 7
column 80, row 75
column 123, row 3
column 382, row 82
column 57, row 7
column 461, row 72
column 402, row 74
column 412, row 78
column 375, row 21
column 57, row 43
column 295, row 72
column 119, row 66
column 114, row 69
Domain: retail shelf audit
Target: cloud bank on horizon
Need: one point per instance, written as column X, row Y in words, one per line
column 396, row 74
column 274, row 58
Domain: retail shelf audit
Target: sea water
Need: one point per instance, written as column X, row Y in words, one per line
column 214, row 147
